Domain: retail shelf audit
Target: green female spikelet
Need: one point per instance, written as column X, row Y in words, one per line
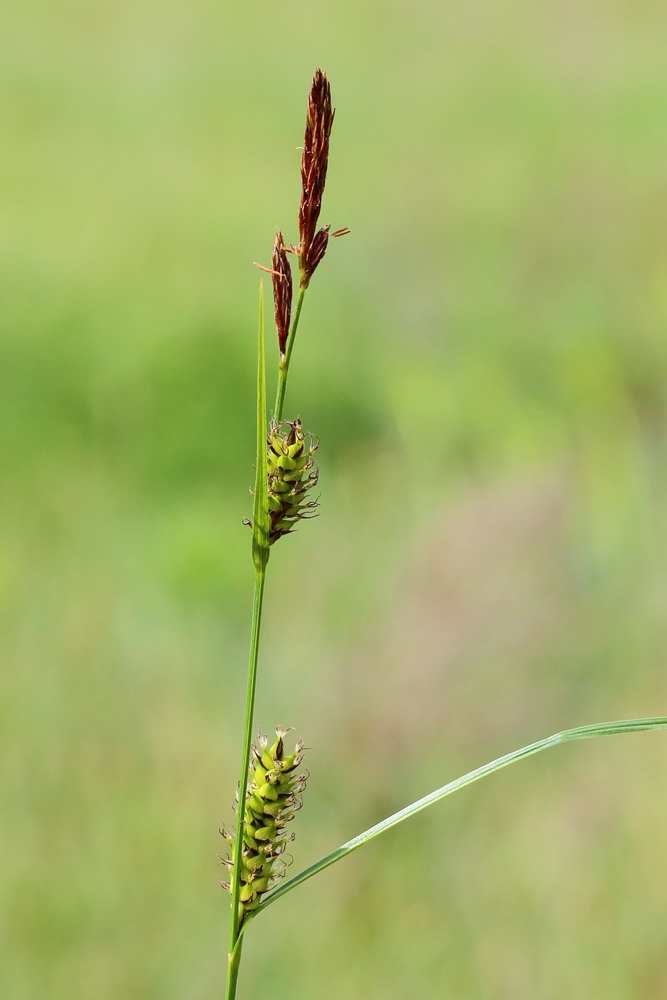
column 272, row 799
column 291, row 473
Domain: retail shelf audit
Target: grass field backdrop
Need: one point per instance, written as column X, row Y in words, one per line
column 485, row 362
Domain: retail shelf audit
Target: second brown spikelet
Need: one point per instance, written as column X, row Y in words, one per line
column 281, row 274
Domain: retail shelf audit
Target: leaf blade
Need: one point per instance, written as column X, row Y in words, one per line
column 566, row 736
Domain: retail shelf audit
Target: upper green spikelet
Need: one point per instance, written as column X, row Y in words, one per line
column 273, row 797
column 291, row 474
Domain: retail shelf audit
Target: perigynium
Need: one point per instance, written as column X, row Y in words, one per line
column 270, row 780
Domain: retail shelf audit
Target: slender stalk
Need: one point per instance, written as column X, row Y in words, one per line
column 233, row 969
column 260, row 553
column 258, row 598
column 283, row 371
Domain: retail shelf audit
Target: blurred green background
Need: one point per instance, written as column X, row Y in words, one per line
column 484, row 360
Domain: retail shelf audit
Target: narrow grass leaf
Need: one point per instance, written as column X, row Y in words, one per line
column 568, row 735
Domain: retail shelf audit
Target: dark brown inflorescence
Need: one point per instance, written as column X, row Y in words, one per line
column 281, row 274
column 314, row 161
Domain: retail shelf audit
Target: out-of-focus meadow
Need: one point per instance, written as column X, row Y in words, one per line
column 485, row 362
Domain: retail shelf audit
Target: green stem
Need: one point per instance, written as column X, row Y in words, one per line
column 234, row 942
column 283, row 371
column 260, row 556
column 233, row 969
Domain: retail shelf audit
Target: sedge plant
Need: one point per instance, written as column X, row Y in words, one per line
column 271, row 778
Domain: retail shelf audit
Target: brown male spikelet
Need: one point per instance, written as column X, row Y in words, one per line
column 314, row 162
column 281, row 275
column 272, row 799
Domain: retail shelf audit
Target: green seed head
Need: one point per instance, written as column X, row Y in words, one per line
column 272, row 799
column 292, row 473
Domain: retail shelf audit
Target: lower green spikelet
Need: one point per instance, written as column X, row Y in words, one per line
column 272, row 799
